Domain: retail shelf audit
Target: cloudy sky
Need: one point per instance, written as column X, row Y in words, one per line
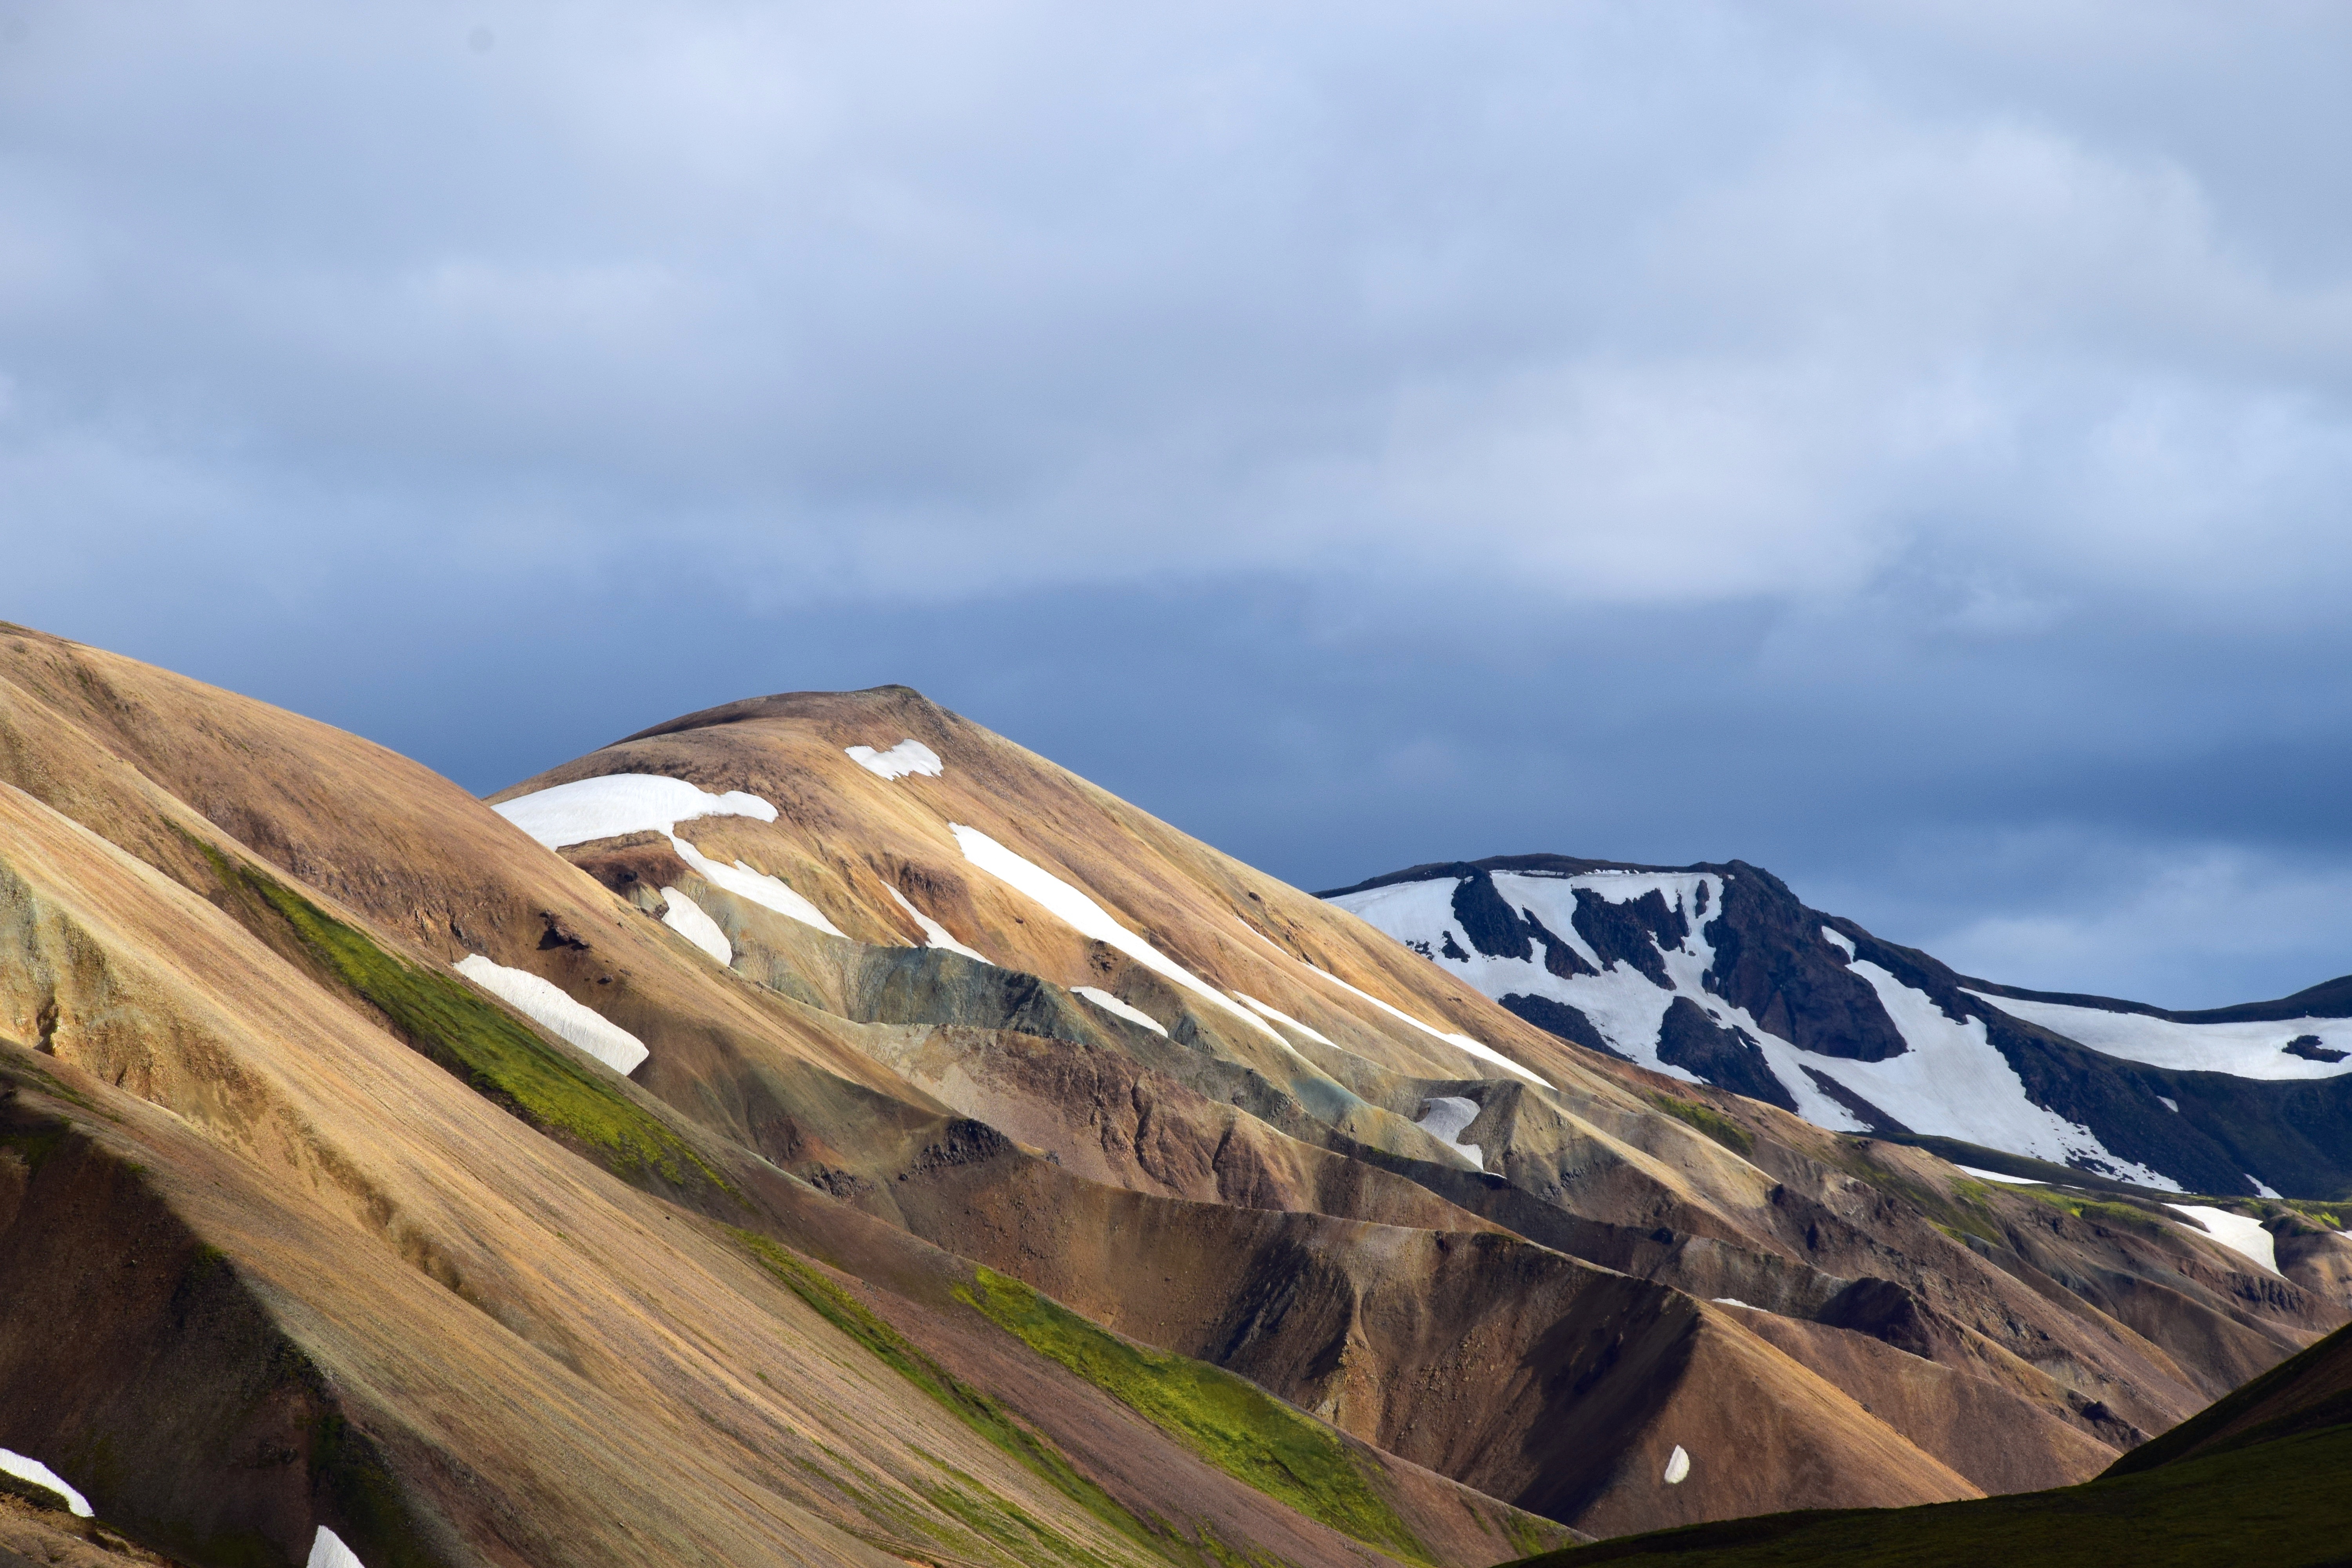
column 1907, row 447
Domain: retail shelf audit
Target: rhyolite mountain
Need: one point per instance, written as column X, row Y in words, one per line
column 819, row 1130
column 1720, row 974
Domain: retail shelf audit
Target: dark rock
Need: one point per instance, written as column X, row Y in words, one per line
column 1559, row 1019
column 2308, row 1048
column 1878, row 1120
column 1492, row 925
column 1772, row 963
column 1632, row 932
column 1727, row 1058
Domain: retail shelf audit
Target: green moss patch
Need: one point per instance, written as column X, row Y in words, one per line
column 495, row 1053
column 1709, row 1120
column 977, row 1411
column 1228, row 1421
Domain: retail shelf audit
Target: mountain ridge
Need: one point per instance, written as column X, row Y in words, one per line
column 999, row 1175
column 2198, row 1108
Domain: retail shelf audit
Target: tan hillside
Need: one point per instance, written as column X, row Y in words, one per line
column 887, row 1253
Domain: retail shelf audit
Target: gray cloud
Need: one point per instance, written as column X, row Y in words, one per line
column 1908, row 449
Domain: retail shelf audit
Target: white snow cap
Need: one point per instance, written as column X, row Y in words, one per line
column 328, row 1550
column 909, row 756
column 615, row 803
column 1677, row 1465
column 2234, row 1231
column 687, row 918
column 1110, row 1004
column 1444, row 1117
column 40, row 1475
column 543, row 1003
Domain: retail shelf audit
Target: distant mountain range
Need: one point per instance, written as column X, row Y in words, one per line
column 1719, row 974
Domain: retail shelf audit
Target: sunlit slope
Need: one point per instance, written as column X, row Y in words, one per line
column 527, row 1359
column 890, row 994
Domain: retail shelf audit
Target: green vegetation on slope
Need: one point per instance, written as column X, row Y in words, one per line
column 1709, row 1120
column 479, row 1042
column 968, row 1404
column 2281, row 1504
column 1228, row 1421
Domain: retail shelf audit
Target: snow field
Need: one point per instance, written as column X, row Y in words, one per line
column 1951, row 1082
column 1444, row 1117
column 1996, row 1177
column 2242, row 1050
column 934, row 933
column 1088, row 919
column 2234, row 1231
column 606, row 807
column 328, row 1550
column 1112, row 1005
column 615, row 803
column 909, row 756
column 1255, row 1006
column 687, row 918
column 544, row 1003
column 40, row 1475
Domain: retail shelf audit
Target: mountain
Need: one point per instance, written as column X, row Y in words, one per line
column 820, row 1131
column 2257, row 1478
column 1719, row 974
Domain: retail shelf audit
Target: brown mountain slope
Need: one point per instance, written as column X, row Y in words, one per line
column 1240, row 1180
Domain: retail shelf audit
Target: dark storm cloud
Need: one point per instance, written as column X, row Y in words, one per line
column 1911, row 451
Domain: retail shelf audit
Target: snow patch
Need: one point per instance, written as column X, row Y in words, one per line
column 544, row 1003
column 1735, row 1301
column 1996, row 1177
column 1255, row 1006
column 909, row 756
column 1677, row 1465
column 2263, row 1188
column 1089, row 918
column 1444, row 1117
column 2169, row 1103
column 2234, row 1231
column 2242, row 1050
column 1484, row 1053
column 328, row 1550
column 757, row 887
column 40, row 1475
column 1110, row 1004
column 934, row 935
column 615, row 803
column 687, row 918
column 1841, row 941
